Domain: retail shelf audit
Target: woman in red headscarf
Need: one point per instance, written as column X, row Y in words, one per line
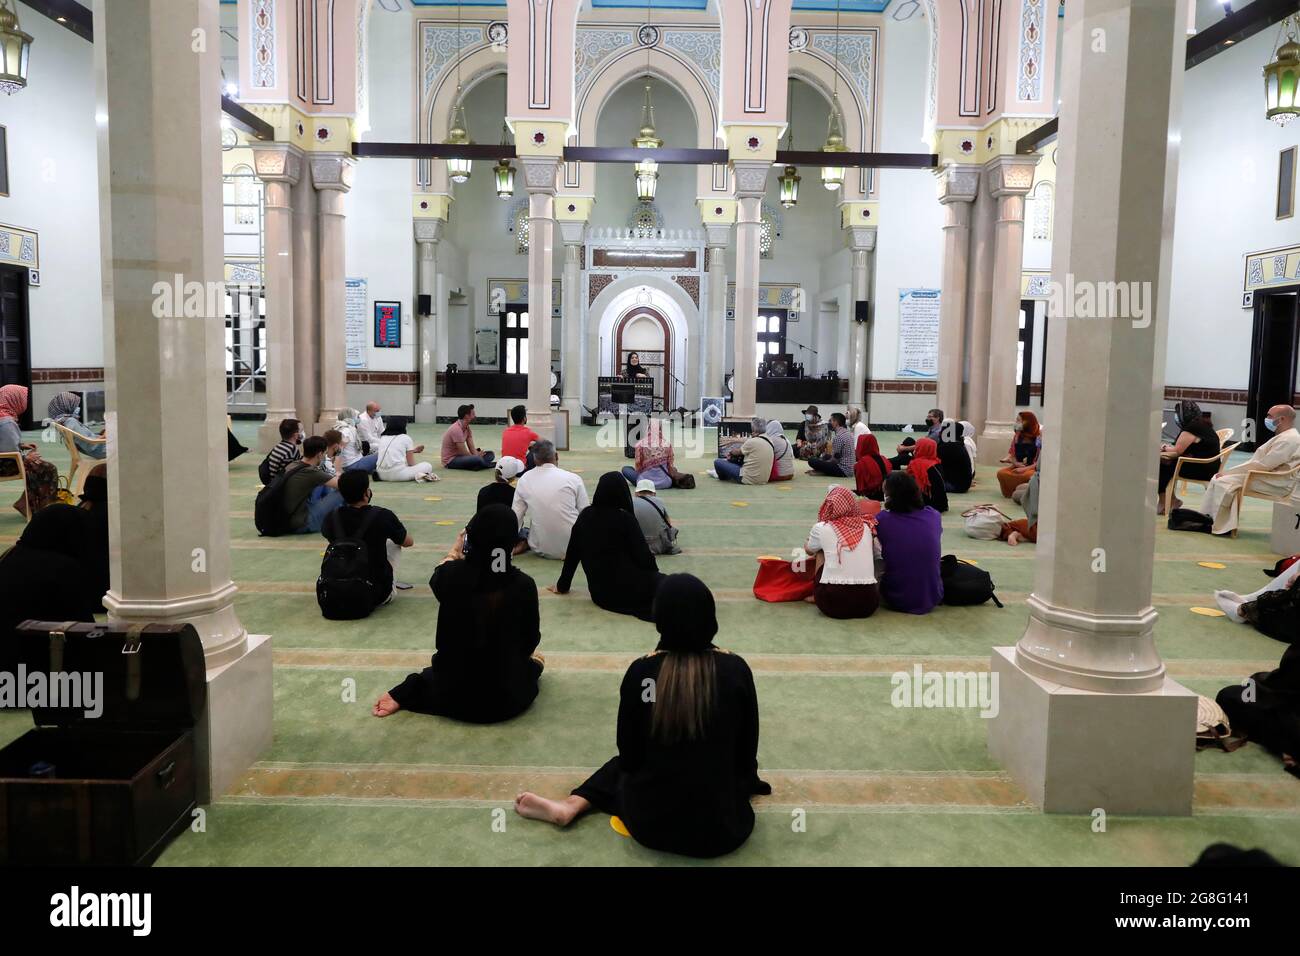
column 42, row 476
column 844, row 541
column 927, row 470
column 1022, row 457
column 871, row 468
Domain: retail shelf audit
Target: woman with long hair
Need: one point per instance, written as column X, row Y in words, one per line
column 1022, row 457
column 910, row 534
column 622, row 575
column 843, row 539
column 870, row 469
column 927, row 471
column 687, row 761
column 484, row 669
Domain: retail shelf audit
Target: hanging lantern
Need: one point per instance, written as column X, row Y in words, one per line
column 1282, row 77
column 504, row 171
column 789, row 187
column 458, row 168
column 647, row 170
column 15, row 48
column 833, row 176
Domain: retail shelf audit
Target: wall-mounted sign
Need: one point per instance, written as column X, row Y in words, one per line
column 388, row 325
column 918, row 333
column 356, row 293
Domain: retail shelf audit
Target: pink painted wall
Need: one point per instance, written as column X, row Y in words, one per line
column 541, row 52
column 755, row 60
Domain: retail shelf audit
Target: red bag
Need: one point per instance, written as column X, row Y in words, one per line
column 777, row 581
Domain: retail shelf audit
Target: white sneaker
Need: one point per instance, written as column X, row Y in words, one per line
column 711, row 473
column 402, row 585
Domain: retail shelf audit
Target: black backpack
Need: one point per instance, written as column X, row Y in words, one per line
column 344, row 590
column 1185, row 519
column 264, row 470
column 964, row 583
column 269, row 514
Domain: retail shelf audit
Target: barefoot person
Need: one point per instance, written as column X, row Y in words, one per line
column 687, row 760
column 485, row 669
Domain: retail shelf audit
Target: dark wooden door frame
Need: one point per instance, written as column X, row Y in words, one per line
column 621, row 322
column 505, row 335
column 24, row 377
column 1254, row 406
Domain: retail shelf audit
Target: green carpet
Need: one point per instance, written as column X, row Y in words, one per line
column 871, row 784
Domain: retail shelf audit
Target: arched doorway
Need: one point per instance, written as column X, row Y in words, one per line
column 645, row 331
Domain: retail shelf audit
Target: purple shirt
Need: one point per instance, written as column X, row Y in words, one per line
column 909, row 546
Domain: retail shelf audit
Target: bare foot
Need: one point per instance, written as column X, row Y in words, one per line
column 1013, row 538
column 385, row 706
column 520, row 548
column 811, row 599
column 559, row 812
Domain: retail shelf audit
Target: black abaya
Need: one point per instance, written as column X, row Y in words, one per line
column 1272, row 718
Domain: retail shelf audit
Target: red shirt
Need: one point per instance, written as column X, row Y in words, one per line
column 515, row 441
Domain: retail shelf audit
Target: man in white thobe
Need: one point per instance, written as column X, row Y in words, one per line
column 1279, row 454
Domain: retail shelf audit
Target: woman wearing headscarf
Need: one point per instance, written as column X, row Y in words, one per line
column 687, row 762
column 857, row 422
column 844, row 541
column 484, row 669
column 958, row 471
column 871, row 468
column 1197, row 439
column 634, row 367
column 653, row 458
column 349, row 456
column 927, row 471
column 622, row 575
column 63, row 409
column 42, row 576
column 42, row 476
column 972, row 449
column 1022, row 457
column 782, row 452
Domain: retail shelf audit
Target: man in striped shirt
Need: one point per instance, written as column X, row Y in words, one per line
column 839, row 463
column 289, row 449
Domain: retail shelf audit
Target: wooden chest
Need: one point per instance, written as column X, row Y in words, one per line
column 108, row 774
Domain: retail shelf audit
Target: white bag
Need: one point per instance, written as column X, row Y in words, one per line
column 984, row 522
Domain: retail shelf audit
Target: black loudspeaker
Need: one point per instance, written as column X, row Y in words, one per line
column 424, row 305
column 861, row 310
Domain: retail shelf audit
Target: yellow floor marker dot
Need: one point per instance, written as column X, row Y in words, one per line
column 1212, row 564
column 1208, row 612
column 433, row 498
column 617, row 826
column 444, row 522
column 740, row 504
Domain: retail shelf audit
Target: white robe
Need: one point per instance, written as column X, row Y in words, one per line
column 1279, row 454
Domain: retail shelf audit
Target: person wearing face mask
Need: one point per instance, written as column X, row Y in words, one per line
column 934, row 424
column 287, row 451
column 1279, row 455
column 1022, row 458
column 812, row 440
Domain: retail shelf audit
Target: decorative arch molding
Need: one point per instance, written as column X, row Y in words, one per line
column 635, row 313
column 628, row 65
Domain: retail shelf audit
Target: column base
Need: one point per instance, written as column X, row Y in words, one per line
column 1074, row 751
column 994, row 441
column 235, row 729
column 426, row 410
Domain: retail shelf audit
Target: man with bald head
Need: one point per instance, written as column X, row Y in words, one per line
column 370, row 425
column 1278, row 455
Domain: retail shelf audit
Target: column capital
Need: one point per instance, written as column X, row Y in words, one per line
column 571, row 208
column 1010, row 175
column 277, row 162
column 957, row 182
column 717, row 235
column 572, row 231
column 859, row 213
column 431, row 206
column 860, row 238
column 540, row 173
column 332, row 172
column 750, row 177
column 429, row 230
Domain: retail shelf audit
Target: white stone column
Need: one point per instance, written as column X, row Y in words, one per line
column 862, row 241
column 539, row 178
column 751, row 187
column 979, row 310
column 332, row 177
column 427, row 234
column 279, row 166
column 1008, row 179
column 718, row 237
column 1088, row 717
column 169, row 491
column 571, row 320
column 306, row 299
column 957, row 185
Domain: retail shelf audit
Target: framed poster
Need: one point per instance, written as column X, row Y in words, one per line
column 356, row 295
column 388, row 325
column 712, row 411
column 918, row 333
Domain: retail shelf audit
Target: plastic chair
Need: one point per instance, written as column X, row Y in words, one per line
column 1292, row 475
column 1225, row 434
column 76, row 476
column 17, row 458
column 1221, row 458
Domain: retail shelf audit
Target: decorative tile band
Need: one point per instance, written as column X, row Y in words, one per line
column 40, row 376
column 363, row 377
column 1272, row 267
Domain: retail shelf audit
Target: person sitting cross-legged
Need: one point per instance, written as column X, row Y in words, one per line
column 652, row 516
column 843, row 540
column 751, row 464
column 839, row 461
column 458, row 448
column 687, row 762
column 310, row 493
column 385, row 536
column 396, row 456
column 501, row 491
column 485, row 668
column 550, row 500
column 518, row 439
column 653, row 458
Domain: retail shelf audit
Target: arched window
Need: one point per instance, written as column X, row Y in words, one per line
column 1041, row 202
column 245, row 195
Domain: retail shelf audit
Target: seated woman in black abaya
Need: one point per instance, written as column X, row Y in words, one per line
column 687, row 760
column 621, row 572
column 485, row 669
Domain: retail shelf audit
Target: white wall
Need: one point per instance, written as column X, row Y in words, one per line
column 54, row 190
